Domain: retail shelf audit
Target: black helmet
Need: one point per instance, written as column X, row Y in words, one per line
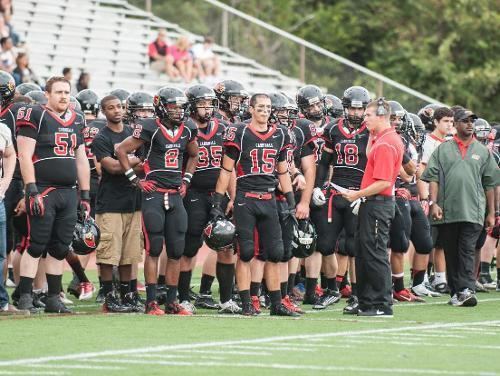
column 279, row 103
column 482, row 129
column 138, row 101
column 166, row 104
column 228, row 89
column 26, row 87
column 74, row 104
column 333, row 106
column 418, row 129
column 86, row 236
column 304, row 238
column 426, row 114
column 7, row 89
column 37, row 97
column 122, row 94
column 293, row 109
column 89, row 101
column 355, row 97
column 198, row 93
column 307, row 96
column 219, row 234
column 397, row 111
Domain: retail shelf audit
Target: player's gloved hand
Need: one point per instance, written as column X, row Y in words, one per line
column 147, row 186
column 186, row 181
column 84, row 207
column 216, row 211
column 403, row 193
column 318, row 197
column 289, row 212
column 356, row 204
column 34, row 201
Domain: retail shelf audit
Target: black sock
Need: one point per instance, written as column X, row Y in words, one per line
column 133, row 285
column 291, row 282
column 100, row 282
column 11, row 274
column 206, row 284
column 332, row 284
column 77, row 268
column 485, row 269
column 263, row 288
column 107, row 287
column 184, row 282
column 430, row 265
column 25, row 285
column 124, row 288
column 354, row 288
column 171, row 294
column 245, row 296
column 53, row 284
column 255, row 288
column 418, row 277
column 311, row 286
column 150, row 292
column 284, row 289
column 302, row 273
column 399, row 283
column 161, row 279
column 324, row 281
column 275, row 297
column 345, row 281
column 498, row 274
column 225, row 276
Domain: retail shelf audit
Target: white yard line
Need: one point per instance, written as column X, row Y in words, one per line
column 176, row 356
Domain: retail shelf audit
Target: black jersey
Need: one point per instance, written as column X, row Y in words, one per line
column 256, row 155
column 210, row 149
column 304, row 135
column 89, row 134
column 411, row 151
column 56, row 142
column 233, row 120
column 349, row 153
column 164, row 149
column 318, row 131
column 8, row 117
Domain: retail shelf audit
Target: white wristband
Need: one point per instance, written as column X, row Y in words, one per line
column 130, row 174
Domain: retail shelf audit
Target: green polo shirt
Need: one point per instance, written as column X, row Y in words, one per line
column 462, row 181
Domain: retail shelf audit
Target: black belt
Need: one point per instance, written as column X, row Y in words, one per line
column 380, row 198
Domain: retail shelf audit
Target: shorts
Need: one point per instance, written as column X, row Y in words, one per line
column 121, row 238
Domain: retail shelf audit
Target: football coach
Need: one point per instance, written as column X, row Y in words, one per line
column 376, row 212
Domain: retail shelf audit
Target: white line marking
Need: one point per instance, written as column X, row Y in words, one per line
column 74, row 366
column 248, row 341
column 386, row 340
column 271, row 348
column 222, row 352
column 32, row 373
column 176, row 356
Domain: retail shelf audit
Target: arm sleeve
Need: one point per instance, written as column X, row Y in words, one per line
column 232, row 142
column 27, row 122
column 142, row 132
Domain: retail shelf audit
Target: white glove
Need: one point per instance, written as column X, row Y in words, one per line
column 318, row 197
column 355, row 205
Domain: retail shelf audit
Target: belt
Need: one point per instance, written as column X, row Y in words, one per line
column 259, row 195
column 380, row 198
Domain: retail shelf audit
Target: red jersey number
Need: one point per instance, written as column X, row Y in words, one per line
column 209, row 157
column 65, row 144
column 264, row 165
column 350, row 155
column 172, row 159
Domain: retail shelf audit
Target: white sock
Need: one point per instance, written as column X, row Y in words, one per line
column 439, row 278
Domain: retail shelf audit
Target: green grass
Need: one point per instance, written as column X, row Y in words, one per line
column 430, row 338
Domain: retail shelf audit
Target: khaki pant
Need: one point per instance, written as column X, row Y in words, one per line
column 121, row 238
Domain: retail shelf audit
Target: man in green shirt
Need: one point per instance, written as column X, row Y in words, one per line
column 462, row 175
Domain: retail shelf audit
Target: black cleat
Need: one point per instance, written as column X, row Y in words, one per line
column 281, row 310
column 205, row 301
column 467, row 298
column 74, row 287
column 248, row 310
column 161, row 294
column 328, row 298
column 193, row 295
column 131, row 300
column 100, row 296
column 54, row 305
column 39, row 299
column 313, row 300
column 112, row 304
column 25, row 303
column 352, row 307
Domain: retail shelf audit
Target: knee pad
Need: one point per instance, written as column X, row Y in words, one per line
column 58, row 251
column 275, row 254
column 193, row 244
column 154, row 244
column 36, row 250
column 246, row 250
column 325, row 246
column 175, row 252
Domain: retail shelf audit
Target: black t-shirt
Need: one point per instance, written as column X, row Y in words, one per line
column 116, row 194
column 89, row 133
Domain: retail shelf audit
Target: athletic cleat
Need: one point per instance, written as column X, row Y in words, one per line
column 100, row 296
column 64, row 299
column 176, row 309
column 287, row 302
column 487, row 282
column 138, row 298
column 346, row 291
column 498, row 286
column 282, row 310
column 10, row 283
column 422, row 290
column 387, row 313
column 480, row 287
column 298, row 291
column 74, row 287
column 256, row 303
column 192, row 294
column 188, row 306
column 112, row 304
column 328, row 298
column 130, row 300
column 161, row 294
column 86, row 291
column 406, row 296
column 265, row 301
column 453, row 300
column 229, row 307
column 205, row 301
column 25, row 303
column 318, row 290
column 54, row 304
column 153, row 309
column 441, row 288
column 352, row 307
column 39, row 299
column 467, row 298
column 313, row 300
column 248, row 310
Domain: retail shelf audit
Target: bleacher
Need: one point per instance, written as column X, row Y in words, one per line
column 109, row 39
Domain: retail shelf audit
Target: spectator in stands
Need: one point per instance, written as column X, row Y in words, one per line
column 68, row 74
column 205, row 61
column 83, row 82
column 159, row 58
column 23, row 72
column 8, row 55
column 6, row 29
column 182, row 58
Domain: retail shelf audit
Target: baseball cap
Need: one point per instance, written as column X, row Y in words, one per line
column 463, row 113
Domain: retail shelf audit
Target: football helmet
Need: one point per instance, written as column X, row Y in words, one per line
column 355, row 97
column 232, row 96
column 7, row 89
column 219, row 234
column 139, row 101
column 198, row 93
column 304, row 238
column 37, row 97
column 26, row 87
column 311, row 102
column 74, row 104
column 279, row 109
column 398, row 114
column 86, row 236
column 122, row 94
column 333, row 106
column 418, row 129
column 89, row 102
column 170, row 105
column 426, row 114
column 482, row 129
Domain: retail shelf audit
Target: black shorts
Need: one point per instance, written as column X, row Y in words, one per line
column 53, row 232
column 420, row 229
column 261, row 214
column 161, row 225
column 399, row 235
column 286, row 223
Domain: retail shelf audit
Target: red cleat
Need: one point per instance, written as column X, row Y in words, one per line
column 406, row 296
column 290, row 305
column 256, row 303
column 318, row 290
column 346, row 291
column 176, row 309
column 152, row 308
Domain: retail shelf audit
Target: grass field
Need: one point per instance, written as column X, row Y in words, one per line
column 422, row 338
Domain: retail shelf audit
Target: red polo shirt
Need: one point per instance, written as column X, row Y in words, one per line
column 384, row 160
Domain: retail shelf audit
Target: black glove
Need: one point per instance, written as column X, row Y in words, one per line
column 84, row 207
column 290, row 210
column 34, row 201
column 216, row 211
